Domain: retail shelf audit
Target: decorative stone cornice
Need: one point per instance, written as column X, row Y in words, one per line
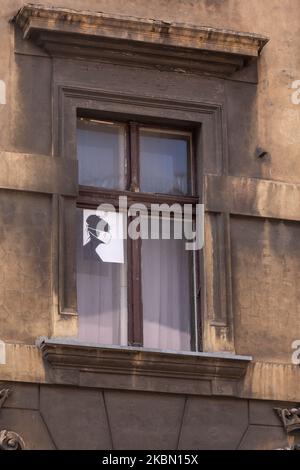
column 62, row 31
column 137, row 361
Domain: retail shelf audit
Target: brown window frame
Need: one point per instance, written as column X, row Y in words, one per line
column 90, row 197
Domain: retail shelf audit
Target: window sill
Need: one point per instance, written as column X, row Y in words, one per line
column 218, row 373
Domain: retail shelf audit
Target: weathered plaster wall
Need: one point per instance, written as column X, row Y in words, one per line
column 265, row 254
column 266, row 264
column 25, row 250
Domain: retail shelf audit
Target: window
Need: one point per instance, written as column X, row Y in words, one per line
column 145, row 293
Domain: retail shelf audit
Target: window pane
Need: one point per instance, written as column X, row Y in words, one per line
column 101, row 154
column 166, row 294
column 164, row 162
column 101, row 286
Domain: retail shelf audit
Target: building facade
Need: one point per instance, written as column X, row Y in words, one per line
column 169, row 102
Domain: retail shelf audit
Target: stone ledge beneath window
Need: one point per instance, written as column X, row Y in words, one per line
column 72, row 354
column 182, row 47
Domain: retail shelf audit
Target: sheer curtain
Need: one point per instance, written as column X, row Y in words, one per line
column 166, row 295
column 100, row 291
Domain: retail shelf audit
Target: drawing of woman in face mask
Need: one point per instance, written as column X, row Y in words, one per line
column 99, row 233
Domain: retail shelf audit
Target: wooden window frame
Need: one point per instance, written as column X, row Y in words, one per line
column 91, row 197
column 209, row 120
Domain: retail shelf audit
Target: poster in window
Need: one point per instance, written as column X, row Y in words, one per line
column 102, row 233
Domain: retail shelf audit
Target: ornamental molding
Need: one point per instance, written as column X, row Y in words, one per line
column 71, row 354
column 97, row 36
column 290, row 419
column 9, row 440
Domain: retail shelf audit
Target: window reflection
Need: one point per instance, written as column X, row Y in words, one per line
column 164, row 162
column 101, row 154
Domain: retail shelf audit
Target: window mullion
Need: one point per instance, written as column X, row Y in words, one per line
column 134, row 156
column 135, row 309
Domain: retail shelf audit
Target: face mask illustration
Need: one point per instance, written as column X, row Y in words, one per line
column 98, row 228
column 102, row 236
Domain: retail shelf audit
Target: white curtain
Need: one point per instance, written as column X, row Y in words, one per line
column 166, row 295
column 99, row 295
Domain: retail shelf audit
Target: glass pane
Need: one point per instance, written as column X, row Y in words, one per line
column 101, row 154
column 164, row 162
column 101, row 284
column 166, row 294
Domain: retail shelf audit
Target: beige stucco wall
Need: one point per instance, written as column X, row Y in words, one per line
column 265, row 270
